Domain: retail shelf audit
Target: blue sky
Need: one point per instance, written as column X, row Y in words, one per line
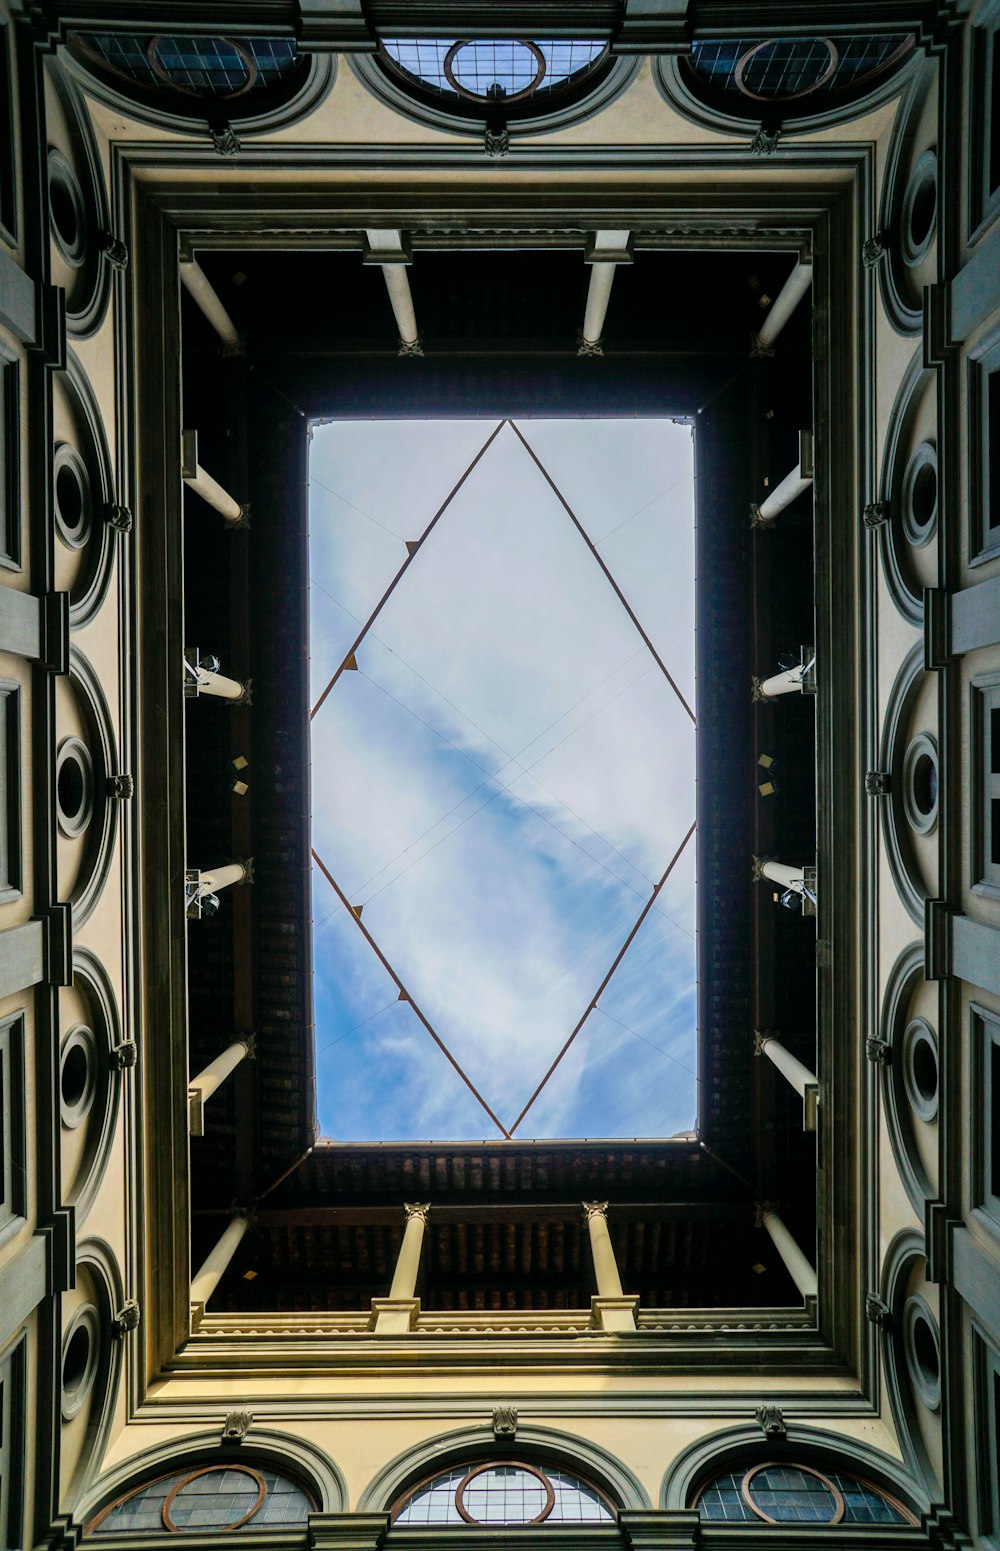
column 504, row 779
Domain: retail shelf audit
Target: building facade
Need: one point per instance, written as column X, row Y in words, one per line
column 216, row 229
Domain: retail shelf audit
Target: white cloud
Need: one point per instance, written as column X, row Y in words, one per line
column 503, row 636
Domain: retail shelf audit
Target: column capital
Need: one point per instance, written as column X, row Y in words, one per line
column 418, row 1209
column 594, row 1209
column 760, row 1039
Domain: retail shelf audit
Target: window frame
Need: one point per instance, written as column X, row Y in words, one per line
column 984, row 699
column 983, row 363
column 475, row 1465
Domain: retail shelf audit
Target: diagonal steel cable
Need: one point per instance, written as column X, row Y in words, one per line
column 369, row 939
column 578, row 525
column 647, row 907
column 410, row 554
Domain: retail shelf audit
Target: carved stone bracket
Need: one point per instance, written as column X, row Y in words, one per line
column 875, row 514
column 496, row 142
column 126, row 1320
column 224, row 141
column 125, row 1055
column 236, row 1426
column 765, row 141
column 878, row 1051
column 504, row 1421
column 771, row 1422
column 873, row 251
column 878, row 783
column 877, row 1310
column 118, row 517
column 121, row 787
column 115, row 251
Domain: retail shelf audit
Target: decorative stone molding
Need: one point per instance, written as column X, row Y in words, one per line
column 224, row 140
column 236, row 1426
column 875, row 514
column 118, row 517
column 127, row 1319
column 771, row 1421
column 121, row 787
column 115, row 251
column 873, row 251
column 765, row 141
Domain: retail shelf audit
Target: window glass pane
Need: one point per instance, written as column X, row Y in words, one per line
column 787, row 67
column 792, row 1496
column 504, row 1494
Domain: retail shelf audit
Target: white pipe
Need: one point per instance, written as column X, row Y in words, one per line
column 791, row 487
column 397, row 283
column 786, row 683
column 211, row 1272
column 598, row 297
column 211, row 491
column 787, row 877
column 784, row 304
column 210, row 683
column 199, row 288
column 211, row 1077
column 796, row 1264
column 609, row 1283
column 797, row 1073
column 221, row 878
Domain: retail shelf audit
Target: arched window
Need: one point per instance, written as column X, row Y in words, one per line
column 229, row 1496
column 787, row 76
column 472, row 79
column 190, row 76
column 787, row 1493
column 502, row 1492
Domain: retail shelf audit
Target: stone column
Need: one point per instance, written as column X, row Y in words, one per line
column 796, row 1264
column 386, row 248
column 791, row 487
column 610, row 249
column 805, row 1082
column 784, row 304
column 200, row 289
column 398, row 1313
column 611, row 1309
column 196, row 478
column 215, row 1264
column 201, row 1088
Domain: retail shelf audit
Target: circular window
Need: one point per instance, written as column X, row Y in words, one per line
column 74, row 506
column 214, row 1498
column 77, row 1075
column 81, row 1346
column 472, row 77
column 212, row 67
column 505, row 1494
column 920, row 783
column 67, row 212
column 74, row 787
column 920, row 1068
column 919, row 494
column 785, row 68
column 781, row 1494
column 923, row 1350
column 499, row 1492
column 918, row 221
